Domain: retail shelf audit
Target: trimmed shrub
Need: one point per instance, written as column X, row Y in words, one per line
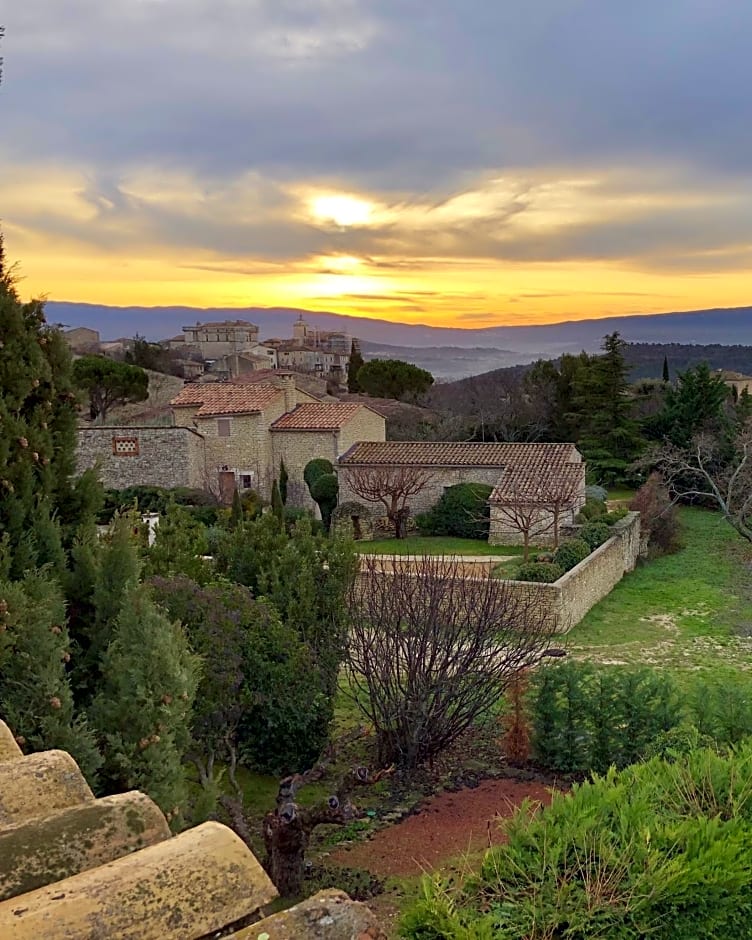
column 571, row 553
column 587, row 718
column 462, row 511
column 597, row 493
column 545, row 572
column 614, row 516
column 324, row 492
column 316, row 468
column 593, row 509
column 660, row 849
column 658, row 516
column 595, row 534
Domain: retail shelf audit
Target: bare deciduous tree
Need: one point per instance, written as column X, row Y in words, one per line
column 533, row 504
column 392, row 487
column 431, row 650
column 705, row 471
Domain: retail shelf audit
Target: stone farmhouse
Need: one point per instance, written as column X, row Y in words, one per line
column 547, row 480
column 229, row 435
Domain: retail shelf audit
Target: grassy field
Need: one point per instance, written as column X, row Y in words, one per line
column 690, row 610
column 434, row 545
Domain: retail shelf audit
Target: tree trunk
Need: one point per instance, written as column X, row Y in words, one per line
column 286, row 844
column 526, row 545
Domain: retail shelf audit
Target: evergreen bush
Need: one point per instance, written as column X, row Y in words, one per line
column 543, row 571
column 595, row 534
column 462, row 511
column 571, row 553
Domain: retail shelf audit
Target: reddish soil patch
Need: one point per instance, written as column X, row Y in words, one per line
column 446, row 826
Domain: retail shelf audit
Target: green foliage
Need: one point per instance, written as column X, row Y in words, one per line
column 283, row 481
column 571, row 553
column 695, row 403
column 595, row 534
column 316, row 468
column 353, row 368
column 586, row 718
column 324, row 492
column 109, row 383
column 236, row 513
column 278, row 507
column 461, row 511
column 544, row 571
column 392, row 378
column 201, row 505
column 592, row 510
column 614, row 516
column 721, row 707
column 142, row 710
column 659, row 849
column 260, row 692
column 305, row 575
column 36, row 699
column 179, row 544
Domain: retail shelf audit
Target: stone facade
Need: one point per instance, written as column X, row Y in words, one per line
column 143, row 456
column 297, row 448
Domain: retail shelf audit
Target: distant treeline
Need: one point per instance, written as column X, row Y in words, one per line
column 646, row 359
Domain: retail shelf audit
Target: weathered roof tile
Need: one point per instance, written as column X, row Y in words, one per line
column 317, row 417
column 224, row 398
column 457, row 454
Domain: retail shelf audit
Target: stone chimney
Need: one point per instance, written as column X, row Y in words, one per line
column 287, row 384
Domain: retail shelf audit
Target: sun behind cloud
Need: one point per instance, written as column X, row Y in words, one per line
column 341, row 209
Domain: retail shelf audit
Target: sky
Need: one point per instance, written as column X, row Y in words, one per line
column 452, row 162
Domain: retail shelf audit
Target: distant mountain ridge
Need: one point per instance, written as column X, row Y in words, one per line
column 487, row 347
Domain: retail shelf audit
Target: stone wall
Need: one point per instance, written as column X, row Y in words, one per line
column 441, row 478
column 581, row 588
column 143, row 456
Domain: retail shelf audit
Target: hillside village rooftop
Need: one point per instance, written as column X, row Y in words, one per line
column 458, row 454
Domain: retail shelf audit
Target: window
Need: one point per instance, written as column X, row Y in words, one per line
column 223, row 427
column 125, row 446
column 246, row 479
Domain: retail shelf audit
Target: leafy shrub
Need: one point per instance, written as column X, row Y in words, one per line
column 462, row 511
column 586, row 718
column 596, row 493
column 658, row 516
column 593, row 509
column 571, row 553
column 595, row 534
column 659, row 849
column 258, row 680
column 721, row 707
column 324, row 492
column 544, row 556
column 201, row 505
column 545, row 572
column 614, row 516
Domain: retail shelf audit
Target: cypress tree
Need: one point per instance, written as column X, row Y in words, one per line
column 278, row 508
column 666, row 376
column 36, row 698
column 236, row 513
column 283, row 478
column 354, row 366
column 143, row 709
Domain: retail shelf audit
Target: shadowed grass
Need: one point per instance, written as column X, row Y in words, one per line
column 434, row 545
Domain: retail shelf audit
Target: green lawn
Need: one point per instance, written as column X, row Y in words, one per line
column 434, row 545
column 685, row 611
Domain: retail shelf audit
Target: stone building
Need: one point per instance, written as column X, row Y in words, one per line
column 229, row 435
column 82, row 340
column 320, row 430
column 223, row 338
column 444, row 464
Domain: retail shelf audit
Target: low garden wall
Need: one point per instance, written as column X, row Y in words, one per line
column 572, row 596
column 581, row 588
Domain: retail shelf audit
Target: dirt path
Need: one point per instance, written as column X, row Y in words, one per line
column 446, row 826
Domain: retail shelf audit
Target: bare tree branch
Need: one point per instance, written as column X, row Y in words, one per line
column 390, row 486
column 431, row 650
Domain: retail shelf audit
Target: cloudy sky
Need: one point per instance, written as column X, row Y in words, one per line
column 465, row 162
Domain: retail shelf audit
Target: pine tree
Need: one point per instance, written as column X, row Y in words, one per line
column 666, row 375
column 354, row 366
column 143, row 709
column 283, row 479
column 36, row 699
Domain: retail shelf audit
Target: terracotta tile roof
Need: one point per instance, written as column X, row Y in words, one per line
column 317, row 417
column 224, row 398
column 457, row 454
column 75, row 866
column 533, row 483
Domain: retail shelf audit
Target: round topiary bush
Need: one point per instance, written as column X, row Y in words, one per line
column 543, row 571
column 593, row 509
column 545, row 556
column 595, row 534
column 571, row 553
